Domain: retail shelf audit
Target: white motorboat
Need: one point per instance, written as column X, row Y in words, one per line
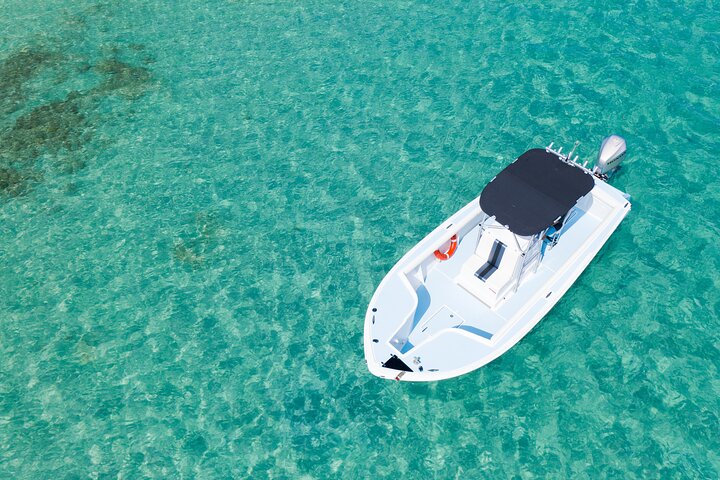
column 484, row 278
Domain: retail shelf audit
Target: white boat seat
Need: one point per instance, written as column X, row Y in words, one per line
column 486, row 272
column 491, row 266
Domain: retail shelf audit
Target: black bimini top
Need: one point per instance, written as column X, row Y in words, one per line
column 533, row 191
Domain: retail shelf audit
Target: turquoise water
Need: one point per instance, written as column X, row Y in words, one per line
column 197, row 200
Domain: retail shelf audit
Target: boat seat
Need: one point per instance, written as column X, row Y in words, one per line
column 491, row 266
column 486, row 272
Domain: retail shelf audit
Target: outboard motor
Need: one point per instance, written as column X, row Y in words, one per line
column 611, row 154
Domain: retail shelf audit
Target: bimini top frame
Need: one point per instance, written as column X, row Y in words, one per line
column 534, row 191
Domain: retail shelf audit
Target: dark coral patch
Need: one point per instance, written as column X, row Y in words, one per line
column 192, row 249
column 61, row 128
column 46, row 129
column 189, row 253
column 17, row 69
column 72, row 164
column 16, row 182
column 121, row 77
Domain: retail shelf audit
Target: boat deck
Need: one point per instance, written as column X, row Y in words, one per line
column 420, row 314
column 450, row 305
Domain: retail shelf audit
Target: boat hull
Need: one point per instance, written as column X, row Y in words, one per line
column 420, row 317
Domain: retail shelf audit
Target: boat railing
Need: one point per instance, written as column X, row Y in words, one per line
column 567, row 158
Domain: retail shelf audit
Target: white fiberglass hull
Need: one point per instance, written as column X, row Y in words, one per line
column 423, row 317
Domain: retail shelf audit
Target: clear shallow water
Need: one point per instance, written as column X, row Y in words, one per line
column 199, row 199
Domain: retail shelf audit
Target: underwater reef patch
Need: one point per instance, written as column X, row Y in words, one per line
column 193, row 248
column 16, row 70
column 62, row 128
column 123, row 78
column 47, row 128
column 15, row 182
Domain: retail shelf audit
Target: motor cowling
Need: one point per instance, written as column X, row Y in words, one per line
column 611, row 154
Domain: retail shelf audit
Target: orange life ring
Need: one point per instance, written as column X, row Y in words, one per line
column 451, row 251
